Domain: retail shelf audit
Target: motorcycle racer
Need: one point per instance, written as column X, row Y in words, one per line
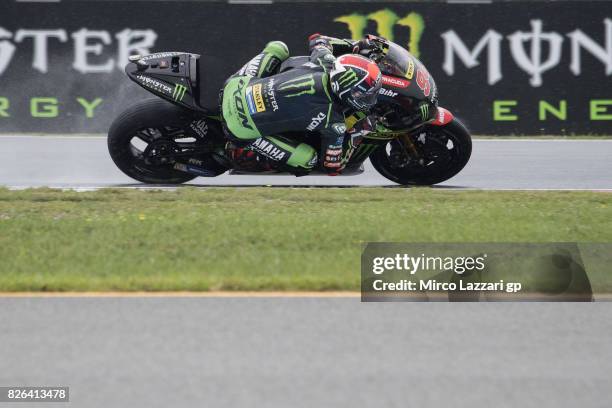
column 258, row 104
column 275, row 117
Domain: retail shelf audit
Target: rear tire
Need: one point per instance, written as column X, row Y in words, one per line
column 444, row 162
column 148, row 114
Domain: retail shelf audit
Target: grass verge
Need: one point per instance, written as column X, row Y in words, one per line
column 259, row 238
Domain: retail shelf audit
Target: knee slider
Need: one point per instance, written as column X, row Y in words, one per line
column 304, row 156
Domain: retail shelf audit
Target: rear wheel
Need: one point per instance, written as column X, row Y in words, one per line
column 438, row 153
column 145, row 140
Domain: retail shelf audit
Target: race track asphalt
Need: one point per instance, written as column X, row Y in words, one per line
column 83, row 162
column 308, row 352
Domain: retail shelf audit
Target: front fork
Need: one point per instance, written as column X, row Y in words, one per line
column 410, row 148
column 406, row 148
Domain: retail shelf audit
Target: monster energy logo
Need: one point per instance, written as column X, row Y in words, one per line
column 179, row 92
column 302, row 85
column 348, row 78
column 385, row 21
column 363, row 151
column 424, row 111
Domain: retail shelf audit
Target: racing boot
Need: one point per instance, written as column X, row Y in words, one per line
column 244, row 158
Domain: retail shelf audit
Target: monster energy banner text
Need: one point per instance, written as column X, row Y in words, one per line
column 503, row 68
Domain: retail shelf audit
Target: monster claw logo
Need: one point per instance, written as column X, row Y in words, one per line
column 302, row 85
column 348, row 78
column 424, row 111
column 179, row 92
column 385, row 21
column 363, row 151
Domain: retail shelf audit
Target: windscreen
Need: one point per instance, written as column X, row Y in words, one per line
column 396, row 61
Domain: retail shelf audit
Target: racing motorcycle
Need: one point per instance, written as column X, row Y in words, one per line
column 414, row 142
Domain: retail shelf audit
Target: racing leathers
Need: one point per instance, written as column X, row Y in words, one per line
column 260, row 107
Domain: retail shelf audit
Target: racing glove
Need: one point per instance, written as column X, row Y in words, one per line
column 332, row 157
column 317, row 40
column 337, row 154
column 372, row 47
column 336, row 45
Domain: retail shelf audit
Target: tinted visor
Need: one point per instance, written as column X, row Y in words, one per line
column 366, row 99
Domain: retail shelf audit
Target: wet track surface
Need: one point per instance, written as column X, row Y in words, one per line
column 56, row 161
column 310, row 352
column 319, row 352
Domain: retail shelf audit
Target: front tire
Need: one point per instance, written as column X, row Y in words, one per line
column 445, row 152
column 150, row 121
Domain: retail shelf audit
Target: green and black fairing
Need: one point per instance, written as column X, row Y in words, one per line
column 170, row 75
column 410, row 97
column 407, row 101
column 184, row 138
column 301, row 90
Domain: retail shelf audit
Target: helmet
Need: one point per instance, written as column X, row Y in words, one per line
column 356, row 80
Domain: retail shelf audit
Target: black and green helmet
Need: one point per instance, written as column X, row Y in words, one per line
column 356, row 80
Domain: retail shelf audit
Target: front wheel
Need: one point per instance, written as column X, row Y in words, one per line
column 436, row 154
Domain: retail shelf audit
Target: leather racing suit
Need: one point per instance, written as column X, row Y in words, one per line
column 260, row 107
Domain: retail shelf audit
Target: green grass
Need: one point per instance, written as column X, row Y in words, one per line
column 259, row 238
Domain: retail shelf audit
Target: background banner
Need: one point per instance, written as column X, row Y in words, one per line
column 503, row 68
